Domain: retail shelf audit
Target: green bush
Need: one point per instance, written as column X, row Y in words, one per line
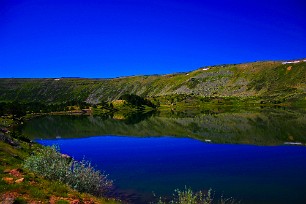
column 49, row 163
column 188, row 196
column 83, row 177
column 80, row 175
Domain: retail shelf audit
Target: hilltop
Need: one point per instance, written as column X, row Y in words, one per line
column 277, row 82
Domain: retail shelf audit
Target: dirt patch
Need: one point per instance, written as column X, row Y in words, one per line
column 15, row 172
column 8, row 197
column 72, row 200
column 8, row 180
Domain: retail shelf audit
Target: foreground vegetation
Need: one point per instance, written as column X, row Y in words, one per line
column 20, row 185
column 31, row 173
column 79, row 175
column 188, row 196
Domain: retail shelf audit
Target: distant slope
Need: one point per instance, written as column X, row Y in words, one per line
column 271, row 80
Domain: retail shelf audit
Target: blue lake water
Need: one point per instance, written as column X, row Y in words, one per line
column 141, row 167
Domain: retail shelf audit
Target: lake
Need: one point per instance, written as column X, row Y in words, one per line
column 156, row 153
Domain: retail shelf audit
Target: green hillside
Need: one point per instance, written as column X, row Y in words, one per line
column 264, row 82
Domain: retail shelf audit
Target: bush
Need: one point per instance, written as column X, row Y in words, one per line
column 84, row 178
column 48, row 162
column 187, row 196
column 51, row 164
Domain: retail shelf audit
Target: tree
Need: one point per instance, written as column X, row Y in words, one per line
column 17, row 109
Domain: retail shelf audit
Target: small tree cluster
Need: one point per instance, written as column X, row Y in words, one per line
column 136, row 100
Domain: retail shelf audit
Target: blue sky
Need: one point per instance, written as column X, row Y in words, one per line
column 113, row 38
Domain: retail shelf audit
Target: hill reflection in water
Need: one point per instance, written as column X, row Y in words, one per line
column 267, row 126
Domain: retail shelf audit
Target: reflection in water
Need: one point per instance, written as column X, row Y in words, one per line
column 141, row 166
column 147, row 162
column 136, row 117
column 264, row 126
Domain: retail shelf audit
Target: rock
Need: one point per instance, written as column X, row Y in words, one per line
column 4, row 130
column 66, row 156
column 8, row 180
column 8, row 140
column 15, row 172
column 7, row 171
column 19, row 180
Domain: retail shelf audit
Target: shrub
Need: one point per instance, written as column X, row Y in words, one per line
column 80, row 175
column 48, row 162
column 83, row 177
column 188, row 196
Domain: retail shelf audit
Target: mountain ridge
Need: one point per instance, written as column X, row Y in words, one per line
column 275, row 80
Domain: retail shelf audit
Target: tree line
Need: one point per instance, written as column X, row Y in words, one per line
column 136, row 100
column 18, row 109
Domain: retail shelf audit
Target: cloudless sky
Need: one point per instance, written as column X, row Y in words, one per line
column 112, row 38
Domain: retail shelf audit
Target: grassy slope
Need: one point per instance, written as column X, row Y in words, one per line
column 33, row 188
column 271, row 81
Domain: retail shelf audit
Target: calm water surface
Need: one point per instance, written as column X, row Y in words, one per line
column 143, row 166
column 247, row 158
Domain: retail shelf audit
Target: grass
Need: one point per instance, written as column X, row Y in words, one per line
column 188, row 196
column 34, row 188
column 259, row 79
